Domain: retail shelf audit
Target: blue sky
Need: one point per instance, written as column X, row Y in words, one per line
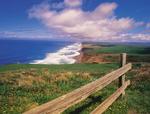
column 18, row 19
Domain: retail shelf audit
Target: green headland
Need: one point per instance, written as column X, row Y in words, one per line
column 25, row 86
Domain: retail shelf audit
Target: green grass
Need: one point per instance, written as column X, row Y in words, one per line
column 136, row 100
column 25, row 86
column 134, row 53
column 115, row 49
column 58, row 68
column 130, row 58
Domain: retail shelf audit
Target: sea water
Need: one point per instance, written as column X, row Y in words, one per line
column 38, row 52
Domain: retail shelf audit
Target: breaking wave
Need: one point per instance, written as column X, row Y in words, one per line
column 65, row 55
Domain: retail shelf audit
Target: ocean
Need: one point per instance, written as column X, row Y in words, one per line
column 38, row 52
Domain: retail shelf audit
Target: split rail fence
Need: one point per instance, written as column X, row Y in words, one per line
column 58, row 105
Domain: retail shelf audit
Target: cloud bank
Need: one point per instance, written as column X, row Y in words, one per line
column 148, row 25
column 68, row 18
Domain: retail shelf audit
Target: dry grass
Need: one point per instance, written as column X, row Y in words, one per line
column 30, row 77
column 141, row 74
column 23, row 78
column 29, row 88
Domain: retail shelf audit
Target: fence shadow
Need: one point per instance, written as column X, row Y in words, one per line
column 92, row 100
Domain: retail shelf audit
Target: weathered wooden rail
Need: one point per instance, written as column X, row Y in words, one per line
column 60, row 104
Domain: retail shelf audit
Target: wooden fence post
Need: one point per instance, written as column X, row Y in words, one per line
column 123, row 57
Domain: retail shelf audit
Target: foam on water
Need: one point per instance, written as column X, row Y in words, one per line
column 63, row 56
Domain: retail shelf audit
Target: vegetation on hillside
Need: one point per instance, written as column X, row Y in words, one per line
column 32, row 85
column 25, row 86
column 111, row 53
column 130, row 49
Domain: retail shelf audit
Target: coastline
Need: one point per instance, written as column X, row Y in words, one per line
column 26, row 51
column 78, row 58
column 66, row 55
column 94, row 58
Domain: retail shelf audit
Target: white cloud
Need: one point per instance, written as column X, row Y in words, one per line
column 130, row 37
column 27, row 34
column 73, row 3
column 100, row 23
column 148, row 25
column 69, row 20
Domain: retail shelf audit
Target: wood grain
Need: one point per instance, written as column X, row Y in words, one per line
column 122, row 78
column 104, row 105
column 60, row 104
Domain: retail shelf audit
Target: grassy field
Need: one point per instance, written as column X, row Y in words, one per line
column 136, row 100
column 130, row 49
column 111, row 53
column 23, row 87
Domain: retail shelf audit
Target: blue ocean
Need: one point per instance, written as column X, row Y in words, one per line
column 33, row 51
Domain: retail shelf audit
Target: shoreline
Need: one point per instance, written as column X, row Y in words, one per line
column 67, row 55
column 78, row 58
column 85, row 58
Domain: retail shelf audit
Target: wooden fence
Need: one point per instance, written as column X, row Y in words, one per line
column 58, row 105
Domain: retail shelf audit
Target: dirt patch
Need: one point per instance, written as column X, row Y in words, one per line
column 141, row 74
column 21, row 78
column 132, row 111
column 99, row 58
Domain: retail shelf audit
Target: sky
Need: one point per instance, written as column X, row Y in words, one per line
column 98, row 20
